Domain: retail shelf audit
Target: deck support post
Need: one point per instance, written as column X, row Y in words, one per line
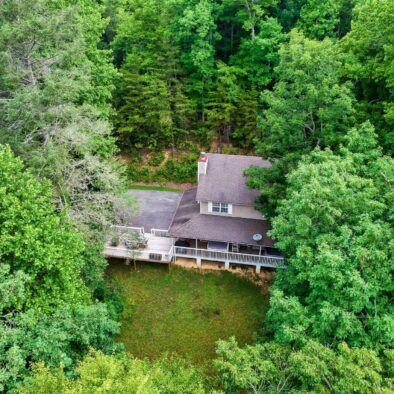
column 258, row 268
column 227, row 264
column 198, row 260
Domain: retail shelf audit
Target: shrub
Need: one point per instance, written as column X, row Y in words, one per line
column 231, row 150
column 111, row 298
column 140, row 174
column 156, row 159
column 189, row 145
column 181, row 171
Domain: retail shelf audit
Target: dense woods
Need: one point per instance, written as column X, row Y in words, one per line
column 306, row 84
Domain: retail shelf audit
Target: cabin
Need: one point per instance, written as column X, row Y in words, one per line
column 213, row 222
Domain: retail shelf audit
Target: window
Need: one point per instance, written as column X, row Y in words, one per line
column 220, row 207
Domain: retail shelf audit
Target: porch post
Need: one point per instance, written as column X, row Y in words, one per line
column 258, row 268
column 227, row 264
column 198, row 259
column 260, row 251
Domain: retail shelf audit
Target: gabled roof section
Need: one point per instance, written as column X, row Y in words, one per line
column 224, row 180
column 188, row 222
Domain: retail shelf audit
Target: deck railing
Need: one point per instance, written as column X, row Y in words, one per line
column 238, row 258
column 159, row 233
column 128, row 229
column 148, row 255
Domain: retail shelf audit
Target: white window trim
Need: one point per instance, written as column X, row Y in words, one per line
column 211, row 206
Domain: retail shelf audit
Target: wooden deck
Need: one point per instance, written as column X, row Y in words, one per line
column 160, row 248
column 229, row 257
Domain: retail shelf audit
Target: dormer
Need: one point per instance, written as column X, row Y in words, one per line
column 222, row 186
column 220, row 208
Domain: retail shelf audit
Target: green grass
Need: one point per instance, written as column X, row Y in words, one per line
column 159, row 188
column 184, row 312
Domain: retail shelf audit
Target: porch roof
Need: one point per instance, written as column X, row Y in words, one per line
column 223, row 229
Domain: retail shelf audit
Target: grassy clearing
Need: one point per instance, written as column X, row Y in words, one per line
column 159, row 188
column 183, row 311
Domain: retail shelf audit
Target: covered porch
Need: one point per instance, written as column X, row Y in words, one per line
column 228, row 253
column 225, row 239
column 256, row 250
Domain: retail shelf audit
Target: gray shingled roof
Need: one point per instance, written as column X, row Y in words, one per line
column 225, row 180
column 187, row 208
column 223, row 229
column 189, row 223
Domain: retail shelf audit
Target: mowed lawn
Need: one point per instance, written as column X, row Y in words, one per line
column 184, row 312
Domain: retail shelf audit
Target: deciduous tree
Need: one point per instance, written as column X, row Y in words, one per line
column 54, row 85
column 273, row 368
column 320, row 19
column 336, row 228
column 369, row 62
column 99, row 372
column 308, row 107
column 57, row 339
column 41, row 248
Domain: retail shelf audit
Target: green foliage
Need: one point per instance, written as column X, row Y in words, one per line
column 259, row 56
column 12, row 288
column 194, row 73
column 153, row 109
column 150, row 111
column 98, row 372
column 308, row 107
column 181, row 171
column 223, row 101
column 40, row 247
column 51, row 68
column 156, row 159
column 182, row 61
column 42, row 273
column 162, row 101
column 100, row 72
column 336, row 228
column 369, row 54
column 94, row 264
column 60, row 338
column 113, row 301
column 195, row 30
column 140, row 174
column 273, row 368
column 288, row 12
column 319, row 19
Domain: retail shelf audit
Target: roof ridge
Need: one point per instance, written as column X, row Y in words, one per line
column 177, row 207
column 232, row 155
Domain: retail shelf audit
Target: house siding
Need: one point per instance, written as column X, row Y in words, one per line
column 239, row 211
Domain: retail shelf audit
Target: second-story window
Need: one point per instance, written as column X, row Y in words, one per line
column 220, row 207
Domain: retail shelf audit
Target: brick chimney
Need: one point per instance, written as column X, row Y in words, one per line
column 202, row 164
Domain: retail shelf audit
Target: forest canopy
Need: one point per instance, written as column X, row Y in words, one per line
column 305, row 84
